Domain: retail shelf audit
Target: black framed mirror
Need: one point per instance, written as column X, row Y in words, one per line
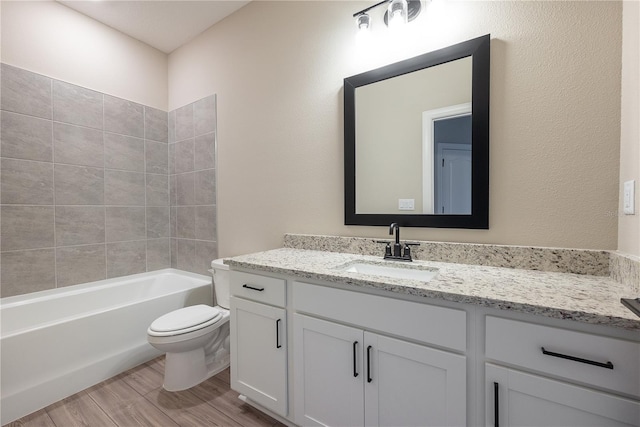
column 416, row 140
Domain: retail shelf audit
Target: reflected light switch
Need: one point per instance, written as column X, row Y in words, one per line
column 406, row 204
column 628, row 203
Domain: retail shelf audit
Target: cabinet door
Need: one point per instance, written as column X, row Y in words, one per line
column 328, row 373
column 529, row 400
column 411, row 385
column 259, row 353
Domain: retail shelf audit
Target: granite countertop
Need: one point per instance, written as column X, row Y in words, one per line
column 583, row 298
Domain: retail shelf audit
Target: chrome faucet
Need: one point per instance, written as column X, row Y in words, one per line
column 397, row 247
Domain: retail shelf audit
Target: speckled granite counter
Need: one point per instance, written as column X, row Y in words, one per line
column 583, row 298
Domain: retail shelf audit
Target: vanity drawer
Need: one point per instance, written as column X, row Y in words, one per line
column 569, row 354
column 258, row 288
column 429, row 324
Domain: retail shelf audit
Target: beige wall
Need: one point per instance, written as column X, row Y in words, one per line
column 629, row 225
column 277, row 68
column 50, row 39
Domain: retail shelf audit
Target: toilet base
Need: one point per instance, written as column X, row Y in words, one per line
column 188, row 369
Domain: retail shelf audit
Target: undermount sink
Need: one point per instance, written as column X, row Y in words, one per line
column 412, row 272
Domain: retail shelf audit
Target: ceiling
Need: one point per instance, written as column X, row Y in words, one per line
column 165, row 25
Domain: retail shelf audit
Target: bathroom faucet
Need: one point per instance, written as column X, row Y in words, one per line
column 397, row 247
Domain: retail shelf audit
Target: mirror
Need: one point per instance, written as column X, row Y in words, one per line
column 417, row 140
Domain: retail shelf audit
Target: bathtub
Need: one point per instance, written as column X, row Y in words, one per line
column 58, row 342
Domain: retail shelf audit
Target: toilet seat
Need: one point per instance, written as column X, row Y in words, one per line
column 185, row 320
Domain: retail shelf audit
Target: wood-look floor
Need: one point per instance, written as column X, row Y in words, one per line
column 136, row 398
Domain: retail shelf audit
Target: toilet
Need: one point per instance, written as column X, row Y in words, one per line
column 196, row 338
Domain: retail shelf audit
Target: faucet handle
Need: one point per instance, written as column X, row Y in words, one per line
column 407, row 250
column 387, row 248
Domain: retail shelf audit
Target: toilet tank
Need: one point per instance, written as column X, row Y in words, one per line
column 220, row 274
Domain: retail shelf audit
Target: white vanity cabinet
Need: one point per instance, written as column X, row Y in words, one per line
column 580, row 366
column 345, row 373
column 259, row 340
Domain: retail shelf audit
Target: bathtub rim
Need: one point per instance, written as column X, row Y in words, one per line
column 17, row 300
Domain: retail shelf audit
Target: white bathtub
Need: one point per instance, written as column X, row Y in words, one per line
column 57, row 342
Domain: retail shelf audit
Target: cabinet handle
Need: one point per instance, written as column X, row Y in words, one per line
column 355, row 357
column 496, row 413
column 607, row 365
column 278, row 345
column 369, row 379
column 252, row 288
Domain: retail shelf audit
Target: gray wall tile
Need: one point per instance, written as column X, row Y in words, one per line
column 173, row 190
column 125, row 258
column 186, row 222
column 27, row 227
column 156, row 157
column 77, row 145
column 184, row 160
column 185, row 186
column 27, row 271
column 157, row 190
column 155, row 124
column 206, row 223
column 184, row 122
column 204, row 115
column 123, row 152
column 174, row 253
column 158, row 222
column 205, row 151
column 25, row 92
column 125, row 223
column 174, row 221
column 25, row 137
column 79, row 225
column 25, row 182
column 205, row 187
column 158, row 254
column 186, row 254
column 123, row 117
column 124, row 188
column 79, row 185
column 77, row 105
column 80, row 264
column 172, row 158
column 205, row 253
column 172, row 126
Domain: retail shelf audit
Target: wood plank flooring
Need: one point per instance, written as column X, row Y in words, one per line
column 136, row 398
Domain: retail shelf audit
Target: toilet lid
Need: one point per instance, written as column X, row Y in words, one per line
column 187, row 317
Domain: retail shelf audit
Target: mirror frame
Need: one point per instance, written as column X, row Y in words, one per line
column 479, row 50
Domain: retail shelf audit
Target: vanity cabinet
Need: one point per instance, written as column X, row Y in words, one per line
column 348, row 376
column 516, row 398
column 345, row 374
column 574, row 378
column 258, row 336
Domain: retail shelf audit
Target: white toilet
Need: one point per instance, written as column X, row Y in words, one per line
column 196, row 338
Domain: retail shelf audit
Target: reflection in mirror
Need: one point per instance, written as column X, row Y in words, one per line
column 417, row 140
column 410, row 136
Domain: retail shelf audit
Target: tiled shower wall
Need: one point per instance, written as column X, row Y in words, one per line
column 192, row 162
column 84, row 186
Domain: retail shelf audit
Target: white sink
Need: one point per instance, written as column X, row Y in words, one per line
column 397, row 272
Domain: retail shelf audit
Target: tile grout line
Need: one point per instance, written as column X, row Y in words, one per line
column 53, row 185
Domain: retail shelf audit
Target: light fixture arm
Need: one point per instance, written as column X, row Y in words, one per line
column 370, row 7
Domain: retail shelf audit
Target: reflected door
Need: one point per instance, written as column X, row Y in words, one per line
column 452, row 169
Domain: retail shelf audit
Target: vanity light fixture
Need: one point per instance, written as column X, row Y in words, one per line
column 398, row 12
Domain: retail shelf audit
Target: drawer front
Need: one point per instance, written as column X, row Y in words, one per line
column 441, row 326
column 568, row 354
column 259, row 288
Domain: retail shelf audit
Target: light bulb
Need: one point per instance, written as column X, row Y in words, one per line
column 397, row 13
column 363, row 21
